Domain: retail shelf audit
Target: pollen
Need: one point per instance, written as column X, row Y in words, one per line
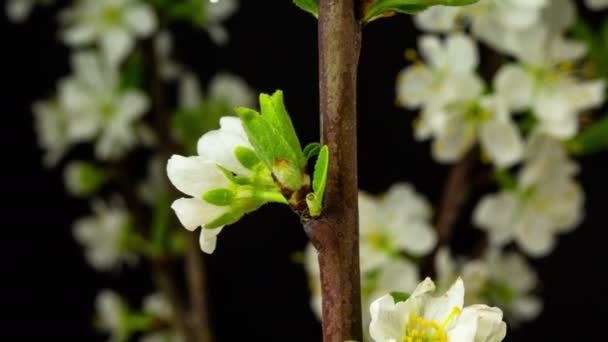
column 419, row 329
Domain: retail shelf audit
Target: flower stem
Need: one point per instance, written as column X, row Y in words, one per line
column 335, row 234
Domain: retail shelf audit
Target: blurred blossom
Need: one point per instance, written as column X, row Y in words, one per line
column 597, row 5
column 456, row 113
column 498, row 278
column 112, row 24
column 488, row 19
column 104, row 235
column 111, row 314
column 216, row 11
column 99, row 109
column 18, row 10
column 546, row 201
column 424, row 316
column 52, row 125
column 157, row 306
column 397, row 222
column 232, row 90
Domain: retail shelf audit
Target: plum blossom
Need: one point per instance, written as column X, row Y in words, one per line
column 158, row 307
column 546, row 201
column 597, row 5
column 99, row 109
column 111, row 314
column 18, row 10
column 114, row 25
column 435, row 318
column 103, row 236
column 499, row 278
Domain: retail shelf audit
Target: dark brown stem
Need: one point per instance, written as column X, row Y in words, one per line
column 336, row 234
column 166, row 284
column 454, row 195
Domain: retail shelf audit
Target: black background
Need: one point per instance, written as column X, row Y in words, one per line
column 257, row 293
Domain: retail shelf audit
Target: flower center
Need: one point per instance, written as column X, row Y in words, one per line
column 419, row 329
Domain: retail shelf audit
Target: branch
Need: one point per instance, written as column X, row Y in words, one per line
column 197, row 286
column 454, row 195
column 336, row 234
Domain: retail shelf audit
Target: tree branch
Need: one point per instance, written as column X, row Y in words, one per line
column 336, row 234
column 454, row 195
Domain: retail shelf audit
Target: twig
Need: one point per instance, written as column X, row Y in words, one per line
column 336, row 234
column 454, row 196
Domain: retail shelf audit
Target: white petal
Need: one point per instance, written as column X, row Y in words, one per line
column 79, row 34
column 398, row 275
column 502, row 141
column 418, row 238
column 189, row 93
column 386, row 325
column 515, row 85
column 133, row 105
column 18, row 10
column 233, row 124
column 415, row 86
column 440, row 308
column 596, row 5
column 219, row 145
column 432, row 51
column 527, row 308
column 438, row 18
column 116, row 44
column 208, row 239
column 195, row 175
column 462, row 54
column 457, row 138
column 534, row 235
column 232, row 89
column 141, row 19
column 194, row 212
column 495, row 214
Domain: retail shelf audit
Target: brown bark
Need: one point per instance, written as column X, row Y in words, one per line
column 336, row 233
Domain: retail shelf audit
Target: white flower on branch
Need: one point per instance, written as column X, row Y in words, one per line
column 448, row 74
column 498, row 278
column 103, row 236
column 157, row 306
column 163, row 48
column 217, row 11
column 112, row 24
column 99, row 109
column 398, row 221
column 426, row 317
column 217, row 197
column 490, row 20
column 546, row 201
column 18, row 10
column 111, row 314
column 52, row 124
column 597, row 5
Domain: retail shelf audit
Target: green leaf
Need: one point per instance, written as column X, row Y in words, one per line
column 274, row 139
column 591, row 140
column 400, row 296
column 221, row 197
column 311, row 150
column 505, row 179
column 310, row 6
column 314, row 201
column 320, row 176
column 246, row 157
column 375, row 9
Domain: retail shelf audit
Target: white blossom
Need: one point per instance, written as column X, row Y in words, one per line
column 97, row 107
column 114, row 25
column 18, row 10
column 430, row 318
column 111, row 312
column 448, row 74
column 103, row 236
column 398, row 221
column 232, row 90
column 217, row 11
column 197, row 175
column 490, row 20
column 163, row 48
column 159, row 307
column 498, row 278
column 52, row 124
column 546, row 202
column 597, row 5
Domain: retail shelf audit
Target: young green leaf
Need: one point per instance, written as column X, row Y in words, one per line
column 310, row 6
column 274, row 111
column 375, row 9
column 311, row 150
column 314, row 200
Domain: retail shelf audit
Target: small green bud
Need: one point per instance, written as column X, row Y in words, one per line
column 220, row 197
